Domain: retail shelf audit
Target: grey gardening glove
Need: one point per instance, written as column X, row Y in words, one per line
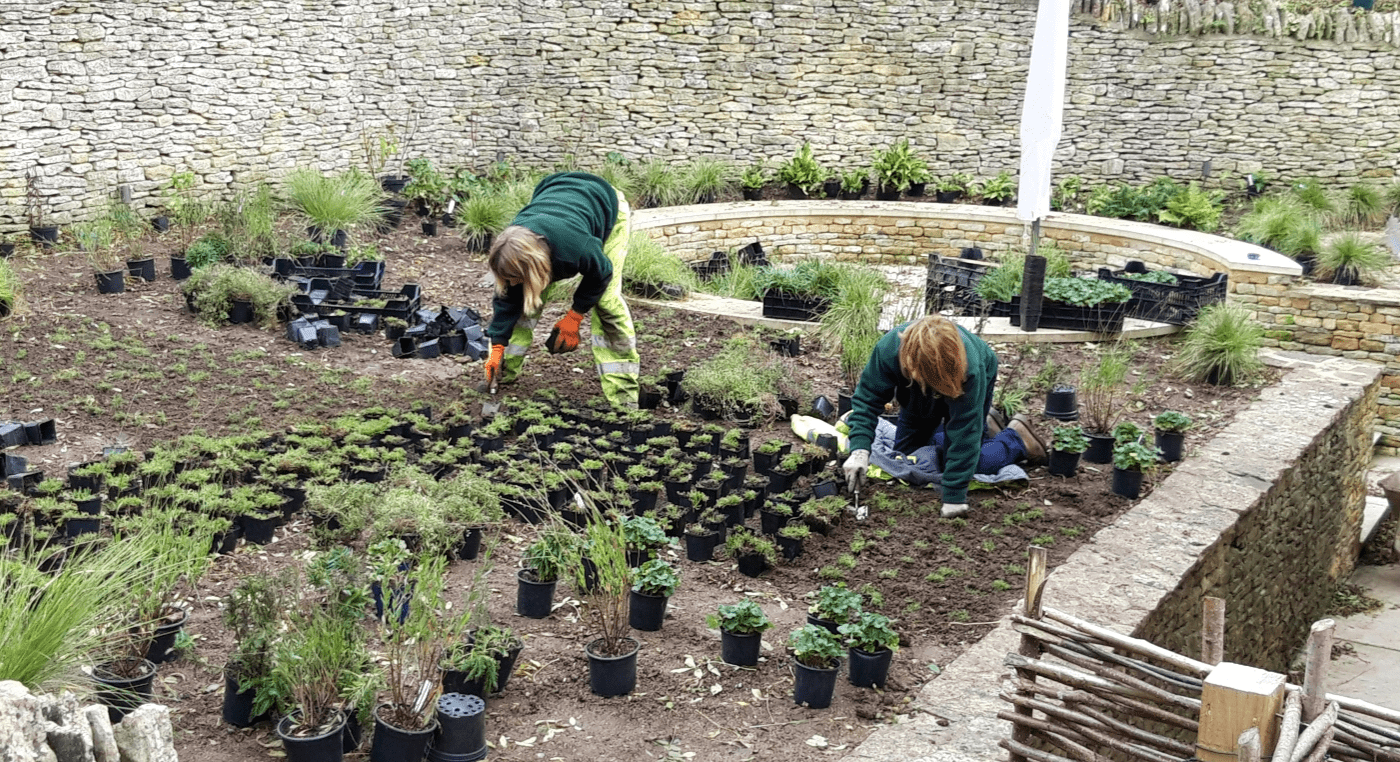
column 855, row 469
column 954, row 510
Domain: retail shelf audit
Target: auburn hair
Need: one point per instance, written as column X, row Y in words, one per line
column 931, row 354
column 521, row 255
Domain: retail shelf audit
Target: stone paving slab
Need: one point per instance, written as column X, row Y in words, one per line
column 1373, row 671
column 1121, row 574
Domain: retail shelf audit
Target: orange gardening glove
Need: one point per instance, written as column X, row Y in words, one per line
column 494, row 364
column 564, row 337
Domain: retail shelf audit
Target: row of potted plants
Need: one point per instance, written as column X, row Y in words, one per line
column 1123, row 447
column 895, row 170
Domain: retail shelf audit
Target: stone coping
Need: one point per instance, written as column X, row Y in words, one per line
column 1387, row 296
column 997, row 329
column 1216, row 252
column 1123, row 572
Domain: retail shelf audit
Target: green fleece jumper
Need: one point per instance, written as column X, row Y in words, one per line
column 575, row 212
column 963, row 417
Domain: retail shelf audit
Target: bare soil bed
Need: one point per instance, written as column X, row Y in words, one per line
column 137, row 366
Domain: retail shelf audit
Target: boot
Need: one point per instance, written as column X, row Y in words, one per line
column 1035, row 449
column 992, row 426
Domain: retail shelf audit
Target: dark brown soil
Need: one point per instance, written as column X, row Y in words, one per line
column 138, row 366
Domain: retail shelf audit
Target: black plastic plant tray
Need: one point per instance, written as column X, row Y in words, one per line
column 1106, row 319
column 786, row 307
column 1164, row 303
column 952, row 282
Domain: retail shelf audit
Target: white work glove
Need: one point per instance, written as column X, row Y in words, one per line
column 855, row 469
column 954, row 510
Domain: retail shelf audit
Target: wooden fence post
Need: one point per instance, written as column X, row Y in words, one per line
column 1213, row 630
column 1235, row 698
column 1030, row 647
column 1315, row 679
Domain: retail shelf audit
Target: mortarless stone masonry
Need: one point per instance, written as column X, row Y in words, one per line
column 124, row 92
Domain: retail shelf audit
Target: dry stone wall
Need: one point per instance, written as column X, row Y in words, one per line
column 126, row 92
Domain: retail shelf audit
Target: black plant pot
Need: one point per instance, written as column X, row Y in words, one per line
column 612, row 675
column 77, row 527
column 533, row 599
column 831, row 189
column 870, row 670
column 241, row 312
column 947, row 197
column 471, row 544
column 161, row 223
column 111, row 283
column 162, row 646
column 886, row 194
column 7, row 250
column 238, row 704
column 791, row 547
column 352, row 735
column 225, row 543
column 44, row 235
column 771, row 522
column 327, row 747
column 145, row 269
column 813, row 687
column 825, row 624
column 700, row 547
column 1170, row 443
column 461, row 731
column 916, row 190
column 646, row 612
column 1126, row 483
column 752, row 564
column 796, row 192
column 393, row 744
column 400, row 599
column 1062, row 463
column 430, row 227
column 1100, row 449
column 123, row 694
column 752, row 194
column 393, row 183
column 1061, row 404
column 179, row 268
column 740, row 650
column 257, row 530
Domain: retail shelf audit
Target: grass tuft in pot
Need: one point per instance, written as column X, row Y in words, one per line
column 341, row 202
column 1221, row 346
column 657, row 183
column 1361, row 206
column 705, row 180
column 651, row 271
column 1350, row 261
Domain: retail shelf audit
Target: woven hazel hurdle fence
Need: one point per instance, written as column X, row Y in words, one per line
column 1084, row 693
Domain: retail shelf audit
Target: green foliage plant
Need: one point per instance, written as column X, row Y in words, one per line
column 1004, row 281
column 215, row 288
column 835, row 603
column 870, row 632
column 656, row 577
column 803, row 171
column 1127, row 431
column 1172, row 422
column 852, row 322
column 1221, row 345
column 815, row 647
column 854, row 180
column 652, row 271
column 1362, row 206
column 741, row 542
column 1348, row 257
column 1100, row 383
column 742, row 618
column 1086, row 292
column 706, row 179
column 897, row 166
column 1133, row 455
column 341, row 202
column 658, row 183
column 1069, row 439
column 999, row 189
column 754, row 177
column 551, row 554
column 1194, row 209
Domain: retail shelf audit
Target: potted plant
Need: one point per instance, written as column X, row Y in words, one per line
column 1099, row 385
column 769, row 454
column 414, row 649
column 1067, row 444
column 755, row 554
column 705, row 180
column 428, row 190
column 97, row 239
column 816, row 660
column 653, row 584
column 334, row 206
column 872, row 642
column 1221, row 346
column 253, row 613
column 853, row 184
column 894, row 168
column 543, row 562
column 700, row 540
column 802, row 174
column 1169, row 433
column 741, row 626
column 834, row 606
column 644, row 536
column 483, row 215
column 999, row 191
column 310, row 659
column 39, row 232
column 790, row 539
column 951, row 188
column 612, row 655
column 1131, row 459
column 752, row 180
column 918, row 178
column 1349, row 261
column 774, row 516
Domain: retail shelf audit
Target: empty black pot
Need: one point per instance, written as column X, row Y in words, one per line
column 393, row 744
column 241, row 312
column 461, row 734
column 1100, row 449
column 813, row 687
column 111, row 283
column 533, row 599
column 327, row 747
column 869, row 670
column 1062, row 463
column 430, row 227
column 145, row 269
column 752, row 565
column 1170, row 443
column 740, row 650
column 44, row 235
column 160, row 223
column 612, row 675
column 1061, row 404
column 258, row 529
column 179, row 268
column 646, row 612
column 471, row 544
column 700, row 547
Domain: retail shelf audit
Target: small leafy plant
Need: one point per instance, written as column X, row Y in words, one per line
column 1172, row 422
column 803, row 171
column 1069, row 439
column 870, row 632
column 815, row 647
column 742, row 618
column 837, row 604
column 1135, row 456
column 656, row 577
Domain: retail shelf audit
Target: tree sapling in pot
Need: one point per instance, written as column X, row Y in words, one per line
column 612, row 655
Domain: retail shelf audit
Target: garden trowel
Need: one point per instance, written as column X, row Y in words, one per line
column 860, row 512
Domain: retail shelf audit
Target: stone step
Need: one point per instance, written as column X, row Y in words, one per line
column 1377, row 511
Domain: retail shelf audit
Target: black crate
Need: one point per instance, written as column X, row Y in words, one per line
column 1106, row 319
column 785, row 307
column 1162, row 303
column 952, row 284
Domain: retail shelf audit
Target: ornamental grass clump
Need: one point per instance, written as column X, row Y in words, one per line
column 738, row 379
column 10, row 288
column 704, row 180
column 340, row 202
column 653, row 272
column 1221, row 346
column 852, row 322
column 1349, row 260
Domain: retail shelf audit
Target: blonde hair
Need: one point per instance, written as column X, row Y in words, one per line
column 521, row 255
column 931, row 354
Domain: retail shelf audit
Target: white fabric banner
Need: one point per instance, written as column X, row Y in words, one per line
column 1042, row 116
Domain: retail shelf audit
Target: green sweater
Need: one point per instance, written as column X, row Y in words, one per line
column 575, row 212
column 963, row 417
